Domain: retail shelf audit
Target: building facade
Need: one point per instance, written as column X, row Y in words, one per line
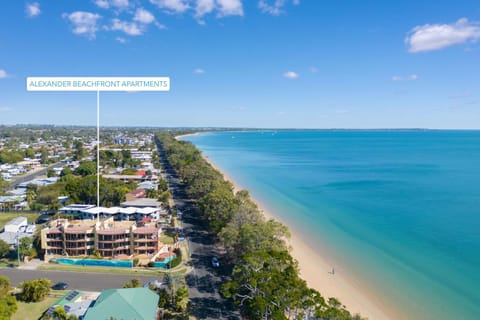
column 108, row 237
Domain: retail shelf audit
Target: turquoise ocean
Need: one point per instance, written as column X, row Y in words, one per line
column 399, row 211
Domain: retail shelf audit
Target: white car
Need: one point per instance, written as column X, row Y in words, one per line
column 155, row 283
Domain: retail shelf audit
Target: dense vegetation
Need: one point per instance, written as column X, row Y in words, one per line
column 265, row 280
column 35, row 290
column 81, row 187
column 8, row 302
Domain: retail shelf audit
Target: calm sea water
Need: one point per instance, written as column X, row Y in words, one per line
column 398, row 210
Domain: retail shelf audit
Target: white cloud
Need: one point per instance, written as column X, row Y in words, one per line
column 291, row 75
column 105, row 4
column 144, row 16
column 102, row 4
column 161, row 26
column 203, row 7
column 199, row 71
column 230, row 8
column 84, row 23
column 431, row 37
column 175, row 6
column 130, row 28
column 3, row 74
column 121, row 40
column 119, row 3
column 411, row 77
column 5, row 109
column 274, row 9
column 32, row 9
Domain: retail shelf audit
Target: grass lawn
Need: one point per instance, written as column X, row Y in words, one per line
column 7, row 263
column 7, row 216
column 33, row 310
column 166, row 239
column 149, row 272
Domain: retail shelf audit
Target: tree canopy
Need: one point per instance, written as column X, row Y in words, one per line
column 35, row 290
column 265, row 280
column 8, row 303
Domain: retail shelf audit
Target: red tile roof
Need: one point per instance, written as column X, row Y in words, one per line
column 140, row 173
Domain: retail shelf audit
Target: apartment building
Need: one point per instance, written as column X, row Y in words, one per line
column 110, row 238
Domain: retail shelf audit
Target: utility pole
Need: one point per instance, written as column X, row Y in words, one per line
column 18, row 249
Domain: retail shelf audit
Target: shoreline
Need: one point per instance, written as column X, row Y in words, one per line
column 187, row 135
column 316, row 269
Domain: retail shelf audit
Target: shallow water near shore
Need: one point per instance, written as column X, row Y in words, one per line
column 399, row 211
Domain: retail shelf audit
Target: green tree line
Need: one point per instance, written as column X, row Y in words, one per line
column 265, row 281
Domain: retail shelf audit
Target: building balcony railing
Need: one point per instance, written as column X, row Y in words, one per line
column 54, row 245
column 144, row 240
column 113, row 240
column 144, row 247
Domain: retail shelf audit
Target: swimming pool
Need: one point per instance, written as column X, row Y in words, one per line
column 163, row 264
column 94, row 262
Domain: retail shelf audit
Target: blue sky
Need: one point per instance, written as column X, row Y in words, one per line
column 256, row 63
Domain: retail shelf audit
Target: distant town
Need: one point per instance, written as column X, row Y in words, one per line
column 167, row 237
column 49, row 218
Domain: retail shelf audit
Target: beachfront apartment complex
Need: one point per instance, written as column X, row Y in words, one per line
column 107, row 237
column 132, row 229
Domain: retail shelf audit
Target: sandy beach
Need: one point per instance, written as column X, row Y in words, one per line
column 317, row 271
column 187, row 135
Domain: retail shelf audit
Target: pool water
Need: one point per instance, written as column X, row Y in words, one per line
column 163, row 264
column 94, row 262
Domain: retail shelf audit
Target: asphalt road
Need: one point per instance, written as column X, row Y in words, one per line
column 87, row 281
column 32, row 176
column 205, row 280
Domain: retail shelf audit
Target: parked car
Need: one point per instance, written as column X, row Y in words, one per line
column 60, row 286
column 215, row 262
column 44, row 218
column 154, row 283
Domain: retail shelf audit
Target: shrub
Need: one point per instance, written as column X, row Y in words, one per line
column 135, row 262
column 35, row 290
column 178, row 259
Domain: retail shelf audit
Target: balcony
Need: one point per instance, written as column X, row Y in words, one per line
column 76, row 240
column 54, row 245
column 117, row 240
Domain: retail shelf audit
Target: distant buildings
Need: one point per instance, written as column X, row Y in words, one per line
column 16, row 224
column 135, row 194
column 17, row 229
column 134, row 210
column 128, row 178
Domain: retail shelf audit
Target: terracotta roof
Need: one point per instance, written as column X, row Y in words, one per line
column 145, row 230
column 137, row 191
column 54, row 230
column 112, row 230
column 77, row 228
column 146, row 219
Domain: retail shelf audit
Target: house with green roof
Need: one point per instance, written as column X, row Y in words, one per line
column 124, row 304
